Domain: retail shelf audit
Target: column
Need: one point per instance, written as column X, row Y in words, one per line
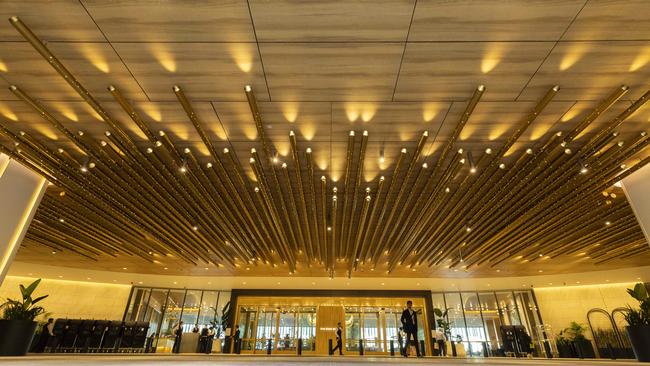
column 21, row 191
column 637, row 190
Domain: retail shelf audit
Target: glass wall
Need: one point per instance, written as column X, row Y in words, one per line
column 479, row 321
column 164, row 309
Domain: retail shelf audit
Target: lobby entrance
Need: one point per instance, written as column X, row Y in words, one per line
column 307, row 324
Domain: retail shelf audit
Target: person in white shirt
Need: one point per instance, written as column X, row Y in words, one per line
column 441, row 340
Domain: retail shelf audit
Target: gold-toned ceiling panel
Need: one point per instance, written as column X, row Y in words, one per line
column 625, row 20
column 331, row 71
column 385, row 121
column 172, row 20
column 492, row 20
column 587, row 70
column 494, row 122
column 332, row 20
column 635, row 124
column 310, row 121
column 208, row 71
column 61, row 20
column 491, row 186
column 96, row 65
column 449, row 71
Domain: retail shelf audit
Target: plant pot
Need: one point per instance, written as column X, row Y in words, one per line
column 640, row 339
column 564, row 350
column 16, row 336
column 584, row 349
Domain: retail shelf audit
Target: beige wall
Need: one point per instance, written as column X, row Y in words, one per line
column 74, row 299
column 562, row 305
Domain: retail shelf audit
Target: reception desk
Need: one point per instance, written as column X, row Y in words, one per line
column 189, row 344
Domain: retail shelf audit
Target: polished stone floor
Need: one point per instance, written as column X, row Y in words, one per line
column 181, row 360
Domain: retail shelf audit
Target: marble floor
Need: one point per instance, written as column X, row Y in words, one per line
column 195, row 360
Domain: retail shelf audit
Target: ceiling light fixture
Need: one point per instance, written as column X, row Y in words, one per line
column 472, row 167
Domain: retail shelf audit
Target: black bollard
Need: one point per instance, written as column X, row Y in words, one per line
column 299, row 346
column 392, row 348
column 360, row 347
column 269, row 347
column 329, row 347
column 422, row 349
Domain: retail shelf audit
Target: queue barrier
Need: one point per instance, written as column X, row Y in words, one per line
column 97, row 336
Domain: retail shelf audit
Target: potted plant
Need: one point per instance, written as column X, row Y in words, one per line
column 17, row 325
column 572, row 341
column 220, row 323
column 638, row 320
column 443, row 323
column 564, row 349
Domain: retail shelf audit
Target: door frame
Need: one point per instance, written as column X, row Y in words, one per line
column 426, row 295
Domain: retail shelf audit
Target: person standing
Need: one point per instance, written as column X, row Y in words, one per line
column 208, row 346
column 409, row 321
column 441, row 340
column 203, row 340
column 46, row 332
column 178, row 335
column 339, row 340
column 236, row 340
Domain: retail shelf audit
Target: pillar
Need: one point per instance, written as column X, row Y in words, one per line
column 637, row 190
column 21, row 191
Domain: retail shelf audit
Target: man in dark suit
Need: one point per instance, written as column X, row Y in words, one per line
column 409, row 321
column 178, row 336
column 237, row 340
column 339, row 339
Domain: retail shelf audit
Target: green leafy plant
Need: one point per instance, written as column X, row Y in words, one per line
column 25, row 308
column 220, row 323
column 640, row 315
column 442, row 320
column 575, row 332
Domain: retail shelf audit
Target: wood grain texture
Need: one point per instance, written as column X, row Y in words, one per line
column 96, row 65
column 322, row 69
column 172, row 20
column 493, row 20
column 611, row 20
column 60, row 20
column 213, row 71
column 331, row 71
column 332, row 20
column 587, row 70
column 450, row 71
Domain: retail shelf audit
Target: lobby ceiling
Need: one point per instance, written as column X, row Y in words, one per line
column 488, row 168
